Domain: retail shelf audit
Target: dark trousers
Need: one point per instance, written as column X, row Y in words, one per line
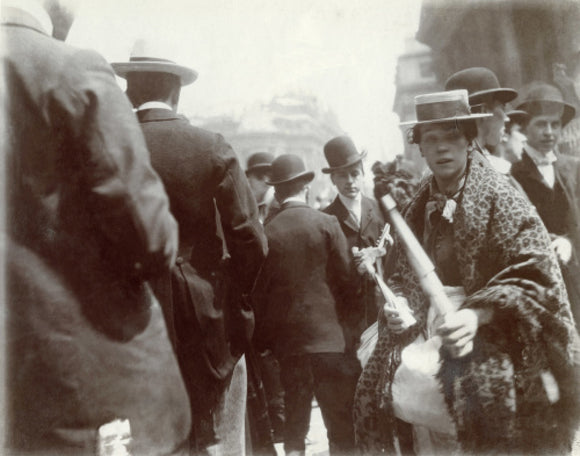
column 331, row 378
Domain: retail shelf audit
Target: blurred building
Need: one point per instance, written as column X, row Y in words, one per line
column 415, row 76
column 289, row 124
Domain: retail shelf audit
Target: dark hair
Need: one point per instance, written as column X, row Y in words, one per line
column 288, row 189
column 152, row 86
column 467, row 127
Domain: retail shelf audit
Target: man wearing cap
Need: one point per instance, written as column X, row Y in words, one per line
column 221, row 248
column 89, row 360
column 300, row 295
column 257, row 172
column 552, row 180
column 360, row 220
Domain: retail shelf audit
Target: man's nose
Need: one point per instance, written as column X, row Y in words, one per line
column 548, row 130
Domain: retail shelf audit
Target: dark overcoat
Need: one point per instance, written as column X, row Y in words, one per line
column 221, row 248
column 365, row 312
column 87, row 222
column 559, row 209
column 304, row 287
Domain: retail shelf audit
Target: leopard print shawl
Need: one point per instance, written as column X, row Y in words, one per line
column 495, row 395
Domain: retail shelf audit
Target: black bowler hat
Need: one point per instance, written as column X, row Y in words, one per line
column 340, row 153
column 539, row 98
column 481, row 83
column 288, row 168
column 517, row 116
column 259, row 161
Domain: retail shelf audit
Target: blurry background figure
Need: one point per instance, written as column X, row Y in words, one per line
column 221, row 248
column 257, row 172
column 552, row 180
column 513, row 141
column 88, row 224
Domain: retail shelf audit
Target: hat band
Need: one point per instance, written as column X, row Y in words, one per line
column 441, row 110
column 149, row 59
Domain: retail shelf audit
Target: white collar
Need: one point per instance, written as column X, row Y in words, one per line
column 540, row 158
column 12, row 13
column 154, row 105
column 294, row 199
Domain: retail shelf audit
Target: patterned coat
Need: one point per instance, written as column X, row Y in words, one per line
column 495, row 394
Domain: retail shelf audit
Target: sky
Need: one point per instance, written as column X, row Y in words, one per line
column 344, row 52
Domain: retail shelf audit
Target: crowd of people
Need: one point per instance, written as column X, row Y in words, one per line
column 162, row 299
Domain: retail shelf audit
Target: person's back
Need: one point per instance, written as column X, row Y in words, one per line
column 87, row 223
column 307, row 270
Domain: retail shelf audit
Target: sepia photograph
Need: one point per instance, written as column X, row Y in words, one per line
column 290, row 227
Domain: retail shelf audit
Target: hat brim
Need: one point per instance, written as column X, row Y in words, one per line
column 259, row 167
column 186, row 75
column 446, row 119
column 503, row 95
column 349, row 163
column 567, row 115
column 308, row 175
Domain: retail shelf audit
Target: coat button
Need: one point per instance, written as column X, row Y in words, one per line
column 178, row 260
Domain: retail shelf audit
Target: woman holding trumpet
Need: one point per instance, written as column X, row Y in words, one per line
column 506, row 372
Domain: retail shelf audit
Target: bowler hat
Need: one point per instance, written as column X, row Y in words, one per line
column 148, row 57
column 448, row 106
column 480, row 83
column 259, row 161
column 288, row 168
column 539, row 97
column 340, row 153
column 517, row 116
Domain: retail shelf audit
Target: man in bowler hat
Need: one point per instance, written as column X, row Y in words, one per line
column 221, row 248
column 552, row 180
column 257, row 172
column 301, row 295
column 361, row 221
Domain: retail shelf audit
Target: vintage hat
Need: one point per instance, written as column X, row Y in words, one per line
column 517, row 116
column 288, row 168
column 451, row 105
column 539, row 97
column 340, row 153
column 480, row 83
column 148, row 57
column 259, row 161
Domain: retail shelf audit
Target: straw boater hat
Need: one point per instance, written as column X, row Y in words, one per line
column 259, row 161
column 539, row 98
column 148, row 57
column 340, row 153
column 452, row 105
column 287, row 168
column 481, row 83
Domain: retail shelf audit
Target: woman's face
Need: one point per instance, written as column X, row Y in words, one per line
column 444, row 148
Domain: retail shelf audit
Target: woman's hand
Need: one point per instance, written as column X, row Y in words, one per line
column 400, row 318
column 457, row 329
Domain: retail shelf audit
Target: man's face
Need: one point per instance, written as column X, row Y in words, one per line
column 494, row 126
column 543, row 132
column 257, row 180
column 348, row 181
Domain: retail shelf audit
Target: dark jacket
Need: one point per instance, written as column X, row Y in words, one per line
column 221, row 248
column 559, row 209
column 87, row 221
column 304, row 287
column 372, row 223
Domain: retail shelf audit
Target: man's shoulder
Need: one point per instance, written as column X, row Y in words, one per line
column 333, row 207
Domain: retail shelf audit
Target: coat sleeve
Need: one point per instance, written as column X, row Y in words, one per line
column 244, row 234
column 341, row 272
column 99, row 127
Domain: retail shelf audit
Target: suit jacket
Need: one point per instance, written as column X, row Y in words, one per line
column 367, row 235
column 305, row 283
column 221, row 248
column 559, row 209
column 88, row 222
